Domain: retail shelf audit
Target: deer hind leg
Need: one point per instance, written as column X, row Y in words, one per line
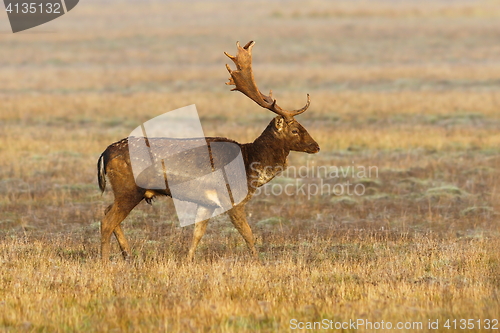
column 122, row 241
column 115, row 214
column 238, row 217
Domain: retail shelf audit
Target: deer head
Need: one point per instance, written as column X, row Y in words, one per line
column 284, row 127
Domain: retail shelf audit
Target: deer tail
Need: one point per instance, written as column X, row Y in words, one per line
column 101, row 171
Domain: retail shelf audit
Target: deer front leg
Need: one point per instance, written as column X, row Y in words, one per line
column 238, row 217
column 199, row 231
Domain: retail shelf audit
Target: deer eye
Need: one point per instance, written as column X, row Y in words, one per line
column 295, row 131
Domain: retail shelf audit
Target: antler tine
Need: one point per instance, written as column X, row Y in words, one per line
column 243, row 80
column 304, row 108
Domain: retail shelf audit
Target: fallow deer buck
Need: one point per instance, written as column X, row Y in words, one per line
column 263, row 159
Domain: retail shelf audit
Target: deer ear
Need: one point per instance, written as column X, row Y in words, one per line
column 279, row 123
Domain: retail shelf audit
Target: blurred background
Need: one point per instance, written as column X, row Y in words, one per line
column 410, row 87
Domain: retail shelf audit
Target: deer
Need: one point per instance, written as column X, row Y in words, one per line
column 264, row 158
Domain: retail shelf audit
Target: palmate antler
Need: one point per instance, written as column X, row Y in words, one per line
column 244, row 81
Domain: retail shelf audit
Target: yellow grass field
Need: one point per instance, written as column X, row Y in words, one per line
column 409, row 89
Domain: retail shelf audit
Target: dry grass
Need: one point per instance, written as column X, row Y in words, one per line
column 355, row 275
column 410, row 88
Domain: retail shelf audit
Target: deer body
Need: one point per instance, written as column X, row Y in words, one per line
column 263, row 159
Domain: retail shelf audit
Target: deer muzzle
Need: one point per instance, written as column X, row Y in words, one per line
column 313, row 148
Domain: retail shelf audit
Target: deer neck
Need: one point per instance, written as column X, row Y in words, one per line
column 265, row 157
column 269, row 149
